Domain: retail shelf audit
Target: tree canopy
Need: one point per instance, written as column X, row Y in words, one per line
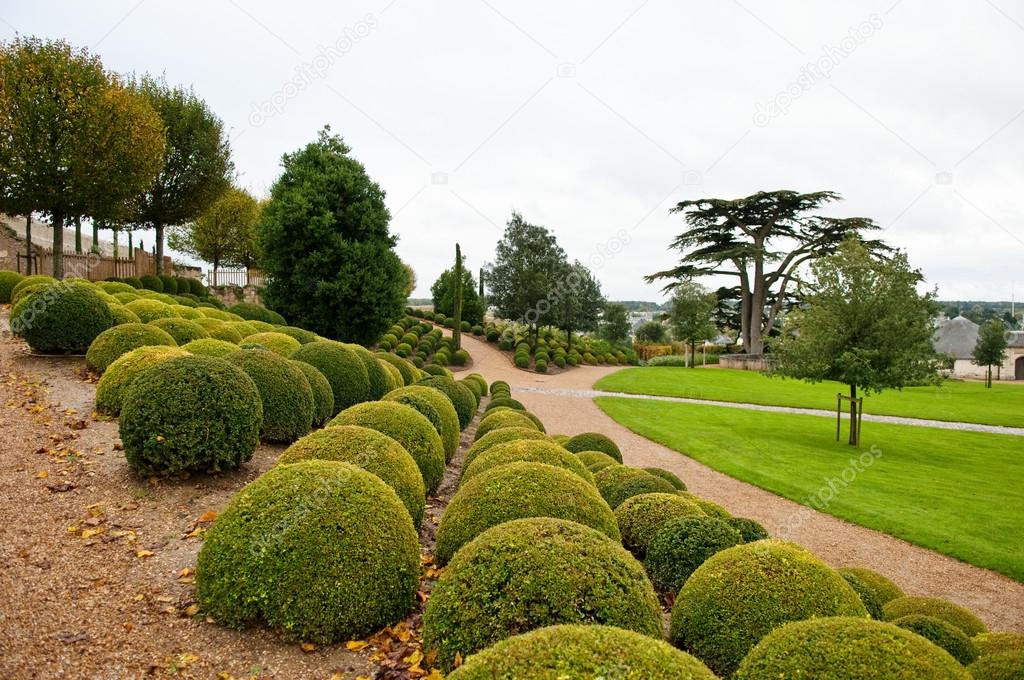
column 652, row 331
column 991, row 347
column 692, row 315
column 443, row 293
column 614, row 326
column 327, row 248
column 224, row 234
column 577, row 301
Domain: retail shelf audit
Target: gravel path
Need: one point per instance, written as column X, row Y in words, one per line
column 998, row 600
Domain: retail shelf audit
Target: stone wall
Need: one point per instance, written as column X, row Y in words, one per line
column 232, row 295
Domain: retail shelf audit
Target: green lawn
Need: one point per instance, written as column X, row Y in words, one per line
column 954, row 400
column 960, row 493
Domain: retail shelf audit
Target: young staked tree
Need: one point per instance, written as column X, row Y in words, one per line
column 457, row 299
column 223, row 234
column 197, row 166
column 73, row 140
column 862, row 323
column 652, row 332
column 327, row 249
column 577, row 301
column 991, row 347
column 614, row 326
column 762, row 240
column 443, row 295
column 692, row 315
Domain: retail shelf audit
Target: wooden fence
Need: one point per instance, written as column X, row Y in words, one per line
column 236, row 277
column 91, row 265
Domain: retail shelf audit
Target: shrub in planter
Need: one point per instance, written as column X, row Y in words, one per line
column 61, row 317
column 842, row 647
column 581, row 651
column 150, row 282
column 742, row 593
column 408, row 427
column 190, row 413
column 436, row 408
column 668, row 476
column 8, row 280
column 529, row 450
column 285, row 393
column 618, row 483
column 500, row 419
column 122, row 314
column 460, row 396
column 885, row 590
column 995, row 643
column 115, row 342
column 278, row 343
column 595, row 460
column 642, row 517
column 151, row 310
column 961, row 617
column 498, row 402
column 943, row 634
column 113, row 385
column 682, row 545
column 749, row 529
column 866, row 594
column 1001, row 666
column 594, row 441
column 342, row 367
column 350, row 566
column 323, row 397
column 182, row 330
column 210, row 347
column 370, row 450
column 518, row 490
column 531, row 573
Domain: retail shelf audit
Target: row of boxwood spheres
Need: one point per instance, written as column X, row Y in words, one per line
column 422, row 344
column 549, row 347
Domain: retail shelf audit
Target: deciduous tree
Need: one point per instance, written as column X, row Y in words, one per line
column 614, row 326
column 991, row 347
column 577, row 301
column 651, row 331
column 223, row 234
column 692, row 315
column 443, row 294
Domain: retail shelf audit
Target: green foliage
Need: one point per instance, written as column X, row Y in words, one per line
column 518, row 490
column 220, row 330
column 300, row 334
column 500, row 436
column 62, row 317
column 594, row 441
column 408, row 371
column 990, row 349
column 253, row 312
column 150, row 310
column 866, row 594
column 170, row 284
column 642, row 517
column 151, row 282
column 995, row 643
column 462, row 399
column 596, row 461
column 285, row 394
column 618, row 483
column 504, row 401
column 278, row 343
column 326, row 246
column 751, row 531
column 614, row 324
column 692, row 313
column 531, row 573
column 529, row 450
column 222, row 234
column 843, row 647
column 370, row 450
column 112, row 387
column 576, row 301
column 8, row 280
column 581, row 651
column 501, row 419
column 742, row 593
column 342, row 367
column 321, row 550
column 943, row 634
column 182, row 330
column 668, row 476
column 408, row 427
column 323, row 397
column 1001, row 666
column 961, row 617
column 210, row 347
column 378, row 378
column 435, row 407
column 443, row 293
column 683, row 544
column 652, row 331
column 119, row 340
column 192, row 413
column 27, row 282
column 122, row 315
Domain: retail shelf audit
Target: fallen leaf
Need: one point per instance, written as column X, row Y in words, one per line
column 308, row 647
column 207, row 516
column 89, row 533
column 61, row 488
column 143, row 553
column 458, row 659
column 356, row 645
column 42, row 474
column 191, row 610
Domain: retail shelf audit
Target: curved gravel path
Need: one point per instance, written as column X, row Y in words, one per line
column 997, row 599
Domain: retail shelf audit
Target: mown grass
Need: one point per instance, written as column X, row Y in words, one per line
column 953, row 400
column 959, row 493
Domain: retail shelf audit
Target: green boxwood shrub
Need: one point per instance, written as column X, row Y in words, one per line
column 941, row 633
column 479, row 380
column 474, row 387
column 8, row 280
column 521, row 361
column 408, row 371
column 408, row 427
column 323, row 397
column 190, row 413
column 500, row 385
column 254, row 312
column 885, row 590
column 278, row 343
column 994, row 643
column 618, row 483
column 504, row 401
column 218, row 314
column 378, row 379
column 460, row 357
column 844, row 647
column 370, row 450
column 285, row 393
column 961, row 617
column 321, row 550
column 150, row 282
column 186, row 312
column 595, row 460
column 866, row 594
column 246, row 328
column 122, row 314
column 501, row 419
column 594, row 441
column 27, row 281
column 210, row 347
column 515, row 491
column 540, row 365
column 581, row 651
column 342, row 367
column 1001, row 666
column 742, row 593
column 151, row 310
column 436, row 369
column 61, row 318
column 115, row 342
column 300, row 334
column 710, row 508
column 113, row 385
column 170, row 284
column 641, row 517
column 669, row 476
column 196, row 287
column 394, row 375
column 435, row 407
column 529, row 450
column 749, row 529
column 500, row 436
column 182, row 330
column 531, row 573
column 682, row 545
column 460, row 396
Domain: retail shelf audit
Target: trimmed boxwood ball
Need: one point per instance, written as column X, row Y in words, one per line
column 300, row 334
column 408, row 427
column 619, row 482
column 595, row 460
column 961, row 617
column 500, row 436
column 479, row 380
column 278, row 343
column 866, row 594
column 284, row 391
column 681, row 545
column 502, row 419
column 113, row 385
column 115, row 342
column 246, row 328
column 885, row 590
column 594, row 441
column 499, row 384
column 529, row 450
column 995, row 643
column 408, row 371
column 342, row 367
column 436, row 369
column 749, row 529
column 187, row 312
column 461, row 398
column 150, row 282
column 435, row 407
column 943, row 634
column 515, row 491
column 581, row 651
column 710, row 508
column 742, row 593
column 504, row 401
column 61, row 317
column 1001, row 666
column 254, row 312
column 122, row 314
column 323, row 397
column 474, row 387
column 641, row 517
column 190, row 413
column 844, row 647
column 211, row 347
column 670, row 477
column 370, row 450
column 25, row 282
column 394, row 375
column 8, row 280
column 151, row 310
column 170, row 284
column 321, row 550
column 182, row 330
column 530, row 573
column 378, row 379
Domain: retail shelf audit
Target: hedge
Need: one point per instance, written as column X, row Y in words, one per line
column 531, row 573
column 994, row 643
column 254, row 312
column 866, row 594
column 343, row 369
column 323, row 397
column 182, row 330
column 436, row 408
column 668, row 476
column 594, row 441
column 378, row 379
column 618, row 483
column 122, row 314
column 504, row 401
column 941, row 633
column 595, row 460
column 346, row 566
column 961, row 617
column 278, row 343
column 640, row 518
column 749, row 529
column 408, row 371
column 528, row 450
column 61, row 318
column 8, row 280
column 150, row 282
column 115, row 342
column 285, row 394
column 301, row 334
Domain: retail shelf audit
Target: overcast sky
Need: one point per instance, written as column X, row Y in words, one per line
column 594, row 118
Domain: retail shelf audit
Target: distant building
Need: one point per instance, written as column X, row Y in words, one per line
column 957, row 337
